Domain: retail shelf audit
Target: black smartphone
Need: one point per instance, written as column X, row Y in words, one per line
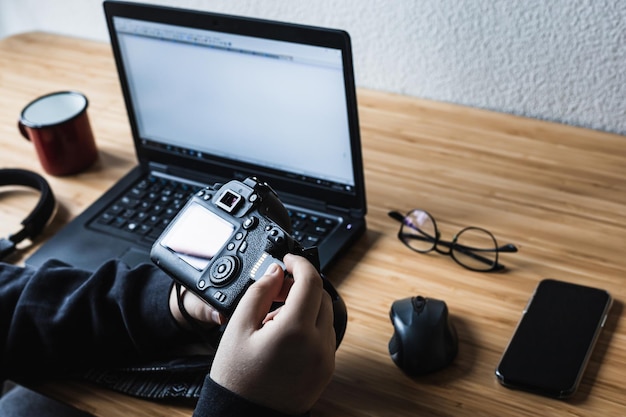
column 554, row 339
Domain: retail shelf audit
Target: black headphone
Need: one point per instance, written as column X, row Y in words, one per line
column 39, row 216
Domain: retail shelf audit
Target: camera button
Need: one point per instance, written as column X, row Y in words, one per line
column 243, row 247
column 250, row 223
column 239, row 236
column 219, row 296
column 223, row 269
column 230, row 246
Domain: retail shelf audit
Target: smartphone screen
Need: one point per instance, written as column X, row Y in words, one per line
column 554, row 339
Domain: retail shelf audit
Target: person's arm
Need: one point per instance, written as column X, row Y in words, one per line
column 279, row 363
column 57, row 319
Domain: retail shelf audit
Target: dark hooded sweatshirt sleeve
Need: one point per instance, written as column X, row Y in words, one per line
column 56, row 320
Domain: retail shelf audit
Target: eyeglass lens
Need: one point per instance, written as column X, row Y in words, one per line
column 419, row 231
column 475, row 248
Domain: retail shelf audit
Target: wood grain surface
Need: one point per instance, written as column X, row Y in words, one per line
column 555, row 191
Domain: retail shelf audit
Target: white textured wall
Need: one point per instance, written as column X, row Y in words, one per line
column 561, row 60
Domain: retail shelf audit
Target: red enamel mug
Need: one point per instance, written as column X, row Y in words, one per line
column 58, row 126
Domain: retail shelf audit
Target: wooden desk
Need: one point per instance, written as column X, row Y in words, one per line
column 557, row 192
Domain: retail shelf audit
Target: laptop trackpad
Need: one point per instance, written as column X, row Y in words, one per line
column 133, row 257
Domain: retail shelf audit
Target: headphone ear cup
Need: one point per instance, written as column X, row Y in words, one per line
column 38, row 218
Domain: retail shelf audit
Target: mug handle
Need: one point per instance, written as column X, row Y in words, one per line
column 22, row 129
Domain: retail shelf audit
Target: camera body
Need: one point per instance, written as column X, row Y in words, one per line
column 225, row 238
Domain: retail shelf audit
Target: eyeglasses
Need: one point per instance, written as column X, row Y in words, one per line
column 473, row 248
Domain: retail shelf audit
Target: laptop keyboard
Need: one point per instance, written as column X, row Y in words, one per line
column 145, row 211
column 309, row 229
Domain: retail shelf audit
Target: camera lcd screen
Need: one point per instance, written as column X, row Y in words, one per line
column 197, row 236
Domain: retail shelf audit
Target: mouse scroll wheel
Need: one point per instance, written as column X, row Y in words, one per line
column 419, row 303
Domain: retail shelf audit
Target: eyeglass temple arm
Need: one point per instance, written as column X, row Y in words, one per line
column 397, row 216
column 467, row 250
column 509, row 247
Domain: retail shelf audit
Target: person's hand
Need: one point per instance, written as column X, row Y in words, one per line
column 282, row 359
column 202, row 312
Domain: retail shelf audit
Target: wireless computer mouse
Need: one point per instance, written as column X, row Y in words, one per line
column 424, row 339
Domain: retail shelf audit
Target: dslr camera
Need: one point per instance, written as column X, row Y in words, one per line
column 225, row 238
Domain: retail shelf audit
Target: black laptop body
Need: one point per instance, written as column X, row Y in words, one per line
column 211, row 98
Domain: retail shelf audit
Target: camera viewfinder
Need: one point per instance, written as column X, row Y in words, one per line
column 229, row 201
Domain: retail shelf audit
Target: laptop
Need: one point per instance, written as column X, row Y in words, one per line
column 211, row 98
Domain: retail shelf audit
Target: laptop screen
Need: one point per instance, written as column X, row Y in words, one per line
column 265, row 102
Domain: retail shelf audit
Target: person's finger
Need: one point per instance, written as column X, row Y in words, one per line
column 304, row 299
column 325, row 320
column 200, row 310
column 258, row 299
column 325, row 315
column 288, row 282
column 194, row 309
column 270, row 316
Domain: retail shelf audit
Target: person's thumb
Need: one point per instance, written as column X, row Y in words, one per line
column 258, row 299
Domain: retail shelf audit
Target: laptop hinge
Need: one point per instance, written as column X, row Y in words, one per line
column 154, row 166
column 185, row 173
column 290, row 199
column 346, row 212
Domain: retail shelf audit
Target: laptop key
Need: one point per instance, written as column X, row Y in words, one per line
column 106, row 218
column 115, row 209
column 128, row 213
column 310, row 241
column 321, row 230
column 119, row 222
column 144, row 229
column 129, row 202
